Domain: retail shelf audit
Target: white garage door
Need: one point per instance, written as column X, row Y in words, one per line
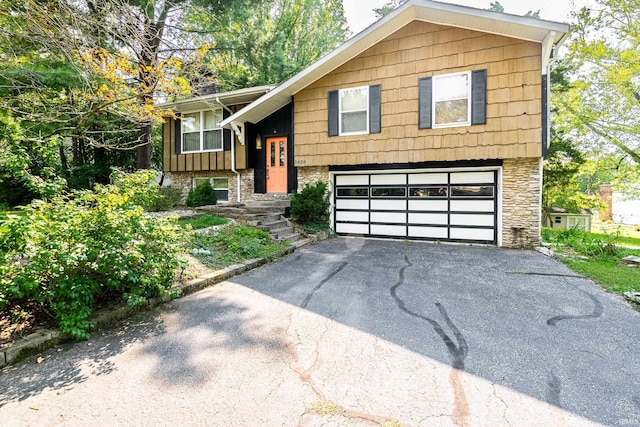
column 445, row 206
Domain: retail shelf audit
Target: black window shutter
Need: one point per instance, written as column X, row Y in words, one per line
column 178, row 134
column 375, row 110
column 333, row 113
column 479, row 97
column 424, row 102
column 226, row 133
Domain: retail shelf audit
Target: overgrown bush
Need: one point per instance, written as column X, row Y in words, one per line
column 203, row 194
column 310, row 207
column 583, row 242
column 167, row 199
column 71, row 252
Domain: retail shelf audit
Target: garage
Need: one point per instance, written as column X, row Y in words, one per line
column 456, row 206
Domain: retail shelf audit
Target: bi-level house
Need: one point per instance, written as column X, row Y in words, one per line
column 430, row 124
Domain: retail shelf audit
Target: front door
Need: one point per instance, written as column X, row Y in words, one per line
column 277, row 165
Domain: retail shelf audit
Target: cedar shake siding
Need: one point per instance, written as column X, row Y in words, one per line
column 195, row 162
column 513, row 127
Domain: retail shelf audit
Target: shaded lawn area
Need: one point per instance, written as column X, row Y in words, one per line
column 233, row 244
column 203, row 221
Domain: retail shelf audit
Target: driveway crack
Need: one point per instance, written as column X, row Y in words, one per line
column 597, row 312
column 305, row 302
column 458, row 352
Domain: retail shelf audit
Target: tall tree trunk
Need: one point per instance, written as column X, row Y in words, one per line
column 147, row 80
column 144, row 152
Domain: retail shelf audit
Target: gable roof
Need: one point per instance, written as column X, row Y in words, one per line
column 550, row 34
column 204, row 102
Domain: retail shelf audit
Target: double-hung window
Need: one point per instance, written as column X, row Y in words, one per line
column 201, row 131
column 452, row 100
column 354, row 111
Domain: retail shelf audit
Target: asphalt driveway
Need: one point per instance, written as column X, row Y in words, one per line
column 356, row 332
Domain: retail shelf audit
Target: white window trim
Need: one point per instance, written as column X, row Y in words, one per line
column 202, row 131
column 340, row 92
column 433, row 102
column 211, row 179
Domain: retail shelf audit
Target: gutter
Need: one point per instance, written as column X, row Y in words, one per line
column 233, row 153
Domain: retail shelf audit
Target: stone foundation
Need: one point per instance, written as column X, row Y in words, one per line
column 184, row 181
column 311, row 175
column 521, row 192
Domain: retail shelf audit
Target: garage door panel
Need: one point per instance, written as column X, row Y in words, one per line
column 422, row 218
column 471, row 234
column 437, row 205
column 486, row 177
column 352, row 204
column 388, row 179
column 469, row 219
column 352, row 216
column 388, row 230
column 428, row 205
column 429, row 178
column 352, row 180
column 389, row 217
column 472, row 205
column 428, row 232
column 352, row 228
column 388, row 205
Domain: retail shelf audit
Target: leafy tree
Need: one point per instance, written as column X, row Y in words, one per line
column 387, row 8
column 268, row 42
column 496, row 7
column 122, row 55
column 605, row 104
column 562, row 165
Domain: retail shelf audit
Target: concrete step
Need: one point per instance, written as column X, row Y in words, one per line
column 267, row 203
column 265, row 209
column 279, row 232
column 293, row 237
column 268, row 226
column 299, row 243
column 266, row 218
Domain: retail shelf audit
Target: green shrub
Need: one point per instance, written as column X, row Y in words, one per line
column 202, row 195
column 167, row 199
column 310, row 207
column 71, row 251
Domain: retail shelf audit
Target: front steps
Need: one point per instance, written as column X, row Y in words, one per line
column 265, row 215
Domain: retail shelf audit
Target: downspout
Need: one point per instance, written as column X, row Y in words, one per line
column 233, row 154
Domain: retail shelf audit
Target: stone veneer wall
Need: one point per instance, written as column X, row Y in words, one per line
column 521, row 190
column 311, row 175
column 184, row 181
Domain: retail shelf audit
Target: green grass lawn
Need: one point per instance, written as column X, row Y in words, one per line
column 203, row 221
column 629, row 235
column 609, row 273
column 595, row 255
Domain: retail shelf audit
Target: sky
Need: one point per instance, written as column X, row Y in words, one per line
column 360, row 14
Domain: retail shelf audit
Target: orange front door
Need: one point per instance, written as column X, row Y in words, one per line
column 277, row 165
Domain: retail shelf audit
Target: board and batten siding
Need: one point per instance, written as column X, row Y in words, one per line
column 197, row 162
column 514, row 118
